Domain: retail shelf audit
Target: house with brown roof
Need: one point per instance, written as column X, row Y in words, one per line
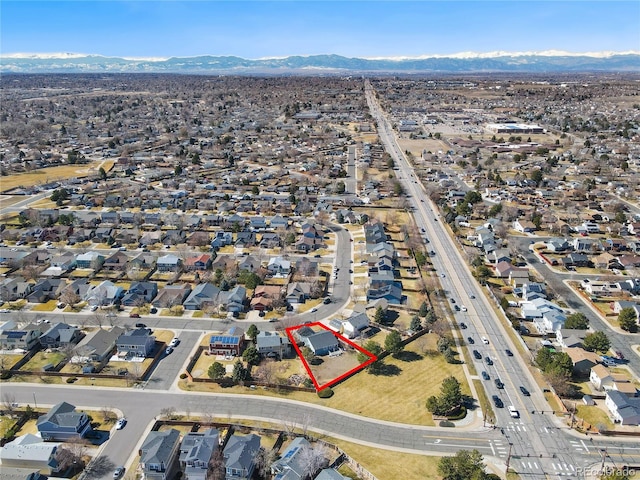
column 199, row 262
column 583, row 361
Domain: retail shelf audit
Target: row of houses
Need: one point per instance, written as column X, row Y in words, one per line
column 95, row 346
column 382, row 261
column 164, row 454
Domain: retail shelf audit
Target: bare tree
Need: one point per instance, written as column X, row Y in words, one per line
column 168, row 412
column 263, row 460
column 313, row 459
column 107, row 414
column 8, row 402
column 216, row 466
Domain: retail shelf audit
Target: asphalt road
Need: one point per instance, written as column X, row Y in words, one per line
column 530, row 434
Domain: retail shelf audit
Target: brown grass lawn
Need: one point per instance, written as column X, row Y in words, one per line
column 375, row 396
column 40, row 359
column 49, row 306
column 38, row 177
column 594, row 415
column 8, row 360
column 386, row 464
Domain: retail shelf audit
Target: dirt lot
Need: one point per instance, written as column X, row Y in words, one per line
column 334, row 367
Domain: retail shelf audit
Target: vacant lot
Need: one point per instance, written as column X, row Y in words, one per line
column 44, row 175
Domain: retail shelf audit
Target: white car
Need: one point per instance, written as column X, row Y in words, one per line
column 121, row 423
column 174, row 342
column 314, row 310
column 463, row 308
column 485, row 341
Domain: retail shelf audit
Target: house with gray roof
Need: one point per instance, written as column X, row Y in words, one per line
column 63, row 423
column 234, row 299
column 105, row 293
column 97, row 345
column 171, row 295
column 196, row 451
column 239, row 456
column 272, row 344
column 291, row 465
column 330, row 474
column 322, row 343
column 168, row 263
column 201, row 295
column 140, row 293
column 60, row 335
column 159, row 454
column 13, row 338
column 138, row 342
column 624, row 409
column 30, row 451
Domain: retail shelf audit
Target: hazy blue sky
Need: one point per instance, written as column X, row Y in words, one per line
column 361, row 28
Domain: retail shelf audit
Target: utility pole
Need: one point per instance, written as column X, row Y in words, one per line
column 508, row 457
column 603, row 452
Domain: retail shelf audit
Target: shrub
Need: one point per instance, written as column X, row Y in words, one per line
column 71, row 379
column 5, row 375
column 446, row 423
column 462, row 412
column 325, row 393
column 183, row 376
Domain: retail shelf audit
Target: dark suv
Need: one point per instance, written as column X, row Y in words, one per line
column 477, row 354
column 497, row 402
column 524, row 391
column 499, row 384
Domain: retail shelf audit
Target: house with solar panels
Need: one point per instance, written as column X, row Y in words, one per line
column 12, row 337
column 231, row 342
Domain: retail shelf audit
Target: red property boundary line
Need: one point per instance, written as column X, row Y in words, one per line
column 372, row 357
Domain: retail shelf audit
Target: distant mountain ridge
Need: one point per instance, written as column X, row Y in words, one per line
column 326, row 64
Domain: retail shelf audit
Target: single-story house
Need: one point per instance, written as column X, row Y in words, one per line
column 322, row 343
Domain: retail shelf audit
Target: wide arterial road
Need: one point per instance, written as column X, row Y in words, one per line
column 534, row 433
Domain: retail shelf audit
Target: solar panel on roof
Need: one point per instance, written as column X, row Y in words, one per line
column 19, row 334
column 225, row 339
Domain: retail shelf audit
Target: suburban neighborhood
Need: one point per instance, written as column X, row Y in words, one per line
column 334, row 242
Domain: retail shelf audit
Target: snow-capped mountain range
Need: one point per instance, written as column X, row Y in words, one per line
column 464, row 62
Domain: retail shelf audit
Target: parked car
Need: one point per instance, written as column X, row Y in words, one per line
column 134, row 315
column 168, row 350
column 121, row 423
column 314, row 310
column 140, row 325
column 118, row 472
column 94, row 308
column 327, row 300
column 153, row 310
column 174, row 342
